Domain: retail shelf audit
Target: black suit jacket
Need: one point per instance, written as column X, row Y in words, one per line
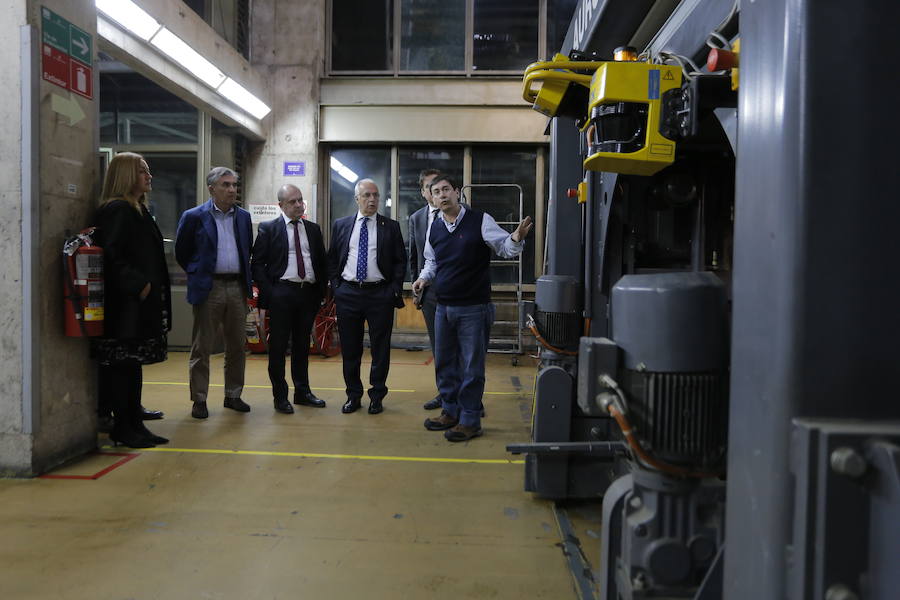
column 270, row 256
column 390, row 253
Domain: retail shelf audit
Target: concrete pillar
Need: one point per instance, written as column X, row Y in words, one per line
column 48, row 186
column 288, row 48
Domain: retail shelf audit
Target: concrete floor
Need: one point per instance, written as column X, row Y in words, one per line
column 311, row 505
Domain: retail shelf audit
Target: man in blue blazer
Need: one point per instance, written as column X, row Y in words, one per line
column 212, row 245
column 289, row 269
column 366, row 265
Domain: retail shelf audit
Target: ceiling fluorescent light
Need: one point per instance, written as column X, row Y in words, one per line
column 240, row 96
column 176, row 49
column 130, row 16
column 343, row 170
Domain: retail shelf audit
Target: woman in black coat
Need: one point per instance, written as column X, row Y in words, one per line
column 137, row 301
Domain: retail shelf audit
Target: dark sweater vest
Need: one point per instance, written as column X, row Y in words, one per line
column 463, row 262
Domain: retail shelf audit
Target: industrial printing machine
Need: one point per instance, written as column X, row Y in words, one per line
column 718, row 342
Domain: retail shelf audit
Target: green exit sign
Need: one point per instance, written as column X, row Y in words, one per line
column 65, row 37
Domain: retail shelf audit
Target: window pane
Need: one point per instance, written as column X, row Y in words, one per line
column 134, row 110
column 174, row 191
column 559, row 15
column 506, row 34
column 348, row 165
column 433, row 35
column 506, row 164
column 413, row 161
column 362, row 35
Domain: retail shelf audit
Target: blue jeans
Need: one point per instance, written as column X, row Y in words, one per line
column 461, row 340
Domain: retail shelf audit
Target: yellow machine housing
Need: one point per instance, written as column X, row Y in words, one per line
column 625, row 108
column 550, row 96
column 557, row 96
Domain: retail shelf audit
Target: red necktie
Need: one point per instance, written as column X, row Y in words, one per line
column 301, row 268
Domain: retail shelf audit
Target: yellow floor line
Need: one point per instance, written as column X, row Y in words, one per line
column 261, row 387
column 328, row 389
column 483, row 461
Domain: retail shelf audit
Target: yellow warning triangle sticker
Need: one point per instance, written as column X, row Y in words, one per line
column 668, row 76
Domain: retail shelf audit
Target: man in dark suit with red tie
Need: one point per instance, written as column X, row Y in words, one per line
column 366, row 265
column 290, row 271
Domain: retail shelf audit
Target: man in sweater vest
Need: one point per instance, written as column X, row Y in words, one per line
column 457, row 266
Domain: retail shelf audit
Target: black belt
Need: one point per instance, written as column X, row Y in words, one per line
column 365, row 284
column 299, row 284
column 226, row 276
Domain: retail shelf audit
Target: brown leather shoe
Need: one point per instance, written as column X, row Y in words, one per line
column 445, row 421
column 462, row 433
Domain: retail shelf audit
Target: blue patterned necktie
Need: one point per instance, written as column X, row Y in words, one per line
column 362, row 257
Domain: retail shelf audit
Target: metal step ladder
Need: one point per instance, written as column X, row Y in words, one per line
column 497, row 345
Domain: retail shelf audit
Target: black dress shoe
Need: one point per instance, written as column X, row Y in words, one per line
column 283, row 406
column 433, row 404
column 141, row 429
column 375, row 407
column 131, row 439
column 236, row 404
column 351, row 405
column 309, row 399
column 150, row 415
column 199, row 410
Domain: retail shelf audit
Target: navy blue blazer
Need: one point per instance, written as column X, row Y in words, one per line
column 390, row 255
column 195, row 248
column 270, row 256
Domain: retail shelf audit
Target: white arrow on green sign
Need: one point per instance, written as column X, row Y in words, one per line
column 81, row 45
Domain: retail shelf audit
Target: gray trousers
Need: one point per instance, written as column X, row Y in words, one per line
column 226, row 307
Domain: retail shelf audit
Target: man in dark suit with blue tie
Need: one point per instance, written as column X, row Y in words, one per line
column 289, row 270
column 366, row 264
column 212, row 245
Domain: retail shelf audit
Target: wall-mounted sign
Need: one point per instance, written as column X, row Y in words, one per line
column 263, row 212
column 294, row 168
column 66, row 54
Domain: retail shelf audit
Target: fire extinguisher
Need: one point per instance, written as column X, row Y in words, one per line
column 257, row 325
column 83, row 285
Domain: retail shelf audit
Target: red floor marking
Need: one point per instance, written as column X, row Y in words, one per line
column 428, row 362
column 127, row 457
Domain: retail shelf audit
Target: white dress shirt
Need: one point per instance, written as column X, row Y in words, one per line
column 291, row 273
column 372, row 272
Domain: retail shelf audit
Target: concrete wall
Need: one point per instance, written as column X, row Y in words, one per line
column 15, row 445
column 56, row 420
column 288, row 49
